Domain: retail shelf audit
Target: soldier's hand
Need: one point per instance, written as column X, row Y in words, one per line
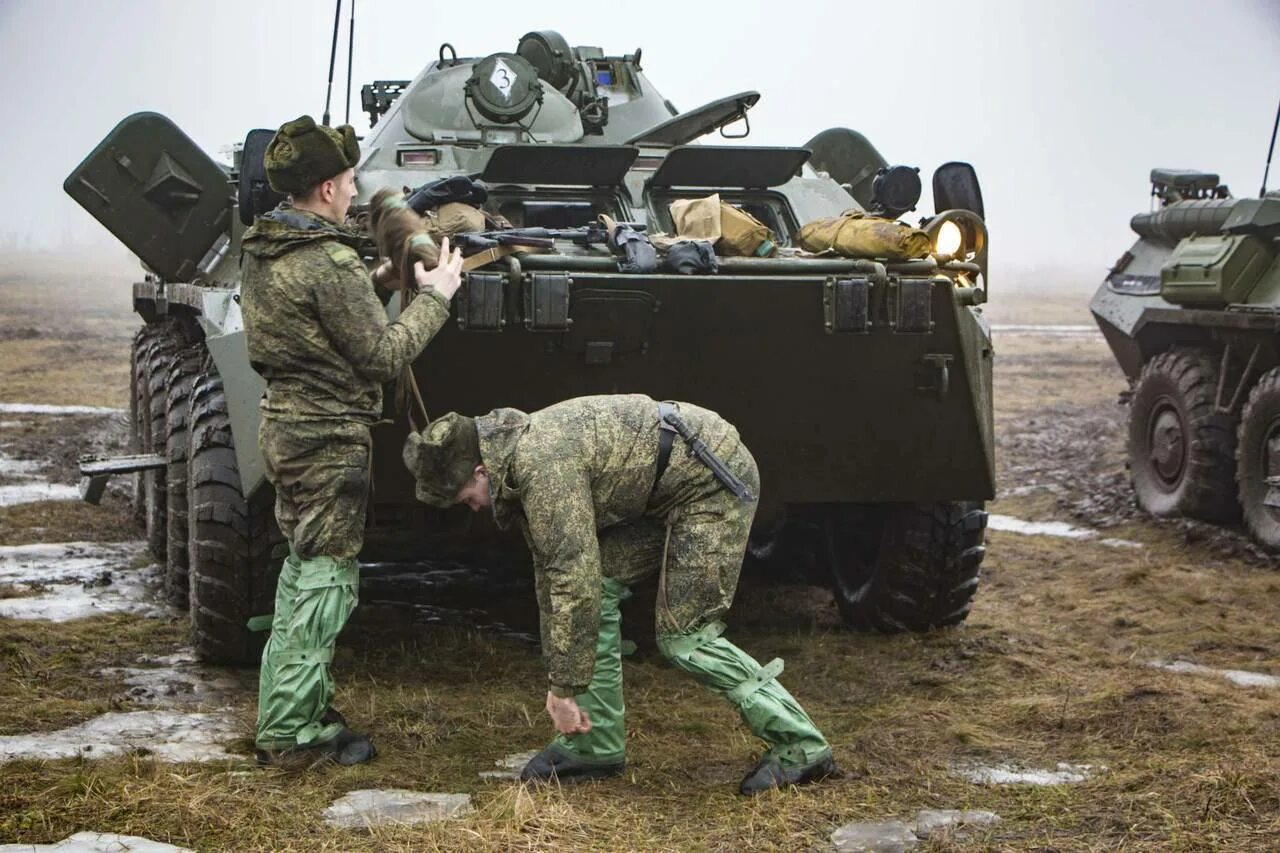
column 446, row 278
column 567, row 717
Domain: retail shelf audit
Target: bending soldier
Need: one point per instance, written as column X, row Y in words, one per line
column 603, row 502
column 319, row 336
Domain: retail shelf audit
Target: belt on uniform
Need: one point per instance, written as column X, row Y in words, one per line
column 666, row 438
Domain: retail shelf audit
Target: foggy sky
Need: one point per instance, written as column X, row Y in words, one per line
column 1062, row 106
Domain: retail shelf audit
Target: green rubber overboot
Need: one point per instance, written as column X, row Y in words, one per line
column 601, row 751
column 772, row 713
column 286, row 592
column 295, row 687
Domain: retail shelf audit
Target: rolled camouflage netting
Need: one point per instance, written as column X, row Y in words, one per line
column 402, row 235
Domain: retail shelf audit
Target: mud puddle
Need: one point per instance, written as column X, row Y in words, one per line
column 73, row 580
column 48, row 441
column 488, row 595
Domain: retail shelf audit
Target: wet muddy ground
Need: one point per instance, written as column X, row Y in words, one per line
column 1116, row 686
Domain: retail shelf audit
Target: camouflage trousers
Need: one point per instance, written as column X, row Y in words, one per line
column 698, row 550
column 320, row 471
column 698, row 547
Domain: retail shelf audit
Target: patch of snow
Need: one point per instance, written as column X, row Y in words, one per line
column 9, row 425
column 892, row 836
column 30, row 493
column 1009, row 774
column 182, row 684
column 508, row 768
column 97, row 842
column 10, row 467
column 1009, row 524
column 394, row 807
column 1238, row 677
column 78, row 579
column 931, row 822
column 167, row 735
column 45, row 409
column 29, row 488
column 1051, row 331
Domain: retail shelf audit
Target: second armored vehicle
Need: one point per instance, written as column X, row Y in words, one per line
column 1192, row 314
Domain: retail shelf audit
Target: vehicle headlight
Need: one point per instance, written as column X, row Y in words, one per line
column 948, row 240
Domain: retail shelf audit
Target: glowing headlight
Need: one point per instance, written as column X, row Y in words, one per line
column 949, row 239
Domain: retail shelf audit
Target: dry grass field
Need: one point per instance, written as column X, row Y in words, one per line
column 1056, row 664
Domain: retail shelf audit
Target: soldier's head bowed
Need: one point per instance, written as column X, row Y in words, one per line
column 444, row 459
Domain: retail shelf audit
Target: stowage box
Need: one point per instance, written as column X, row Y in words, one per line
column 1217, row 269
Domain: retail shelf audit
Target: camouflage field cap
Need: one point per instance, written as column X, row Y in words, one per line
column 303, row 153
column 442, row 458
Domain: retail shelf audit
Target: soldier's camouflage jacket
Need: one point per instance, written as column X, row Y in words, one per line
column 573, row 471
column 316, row 330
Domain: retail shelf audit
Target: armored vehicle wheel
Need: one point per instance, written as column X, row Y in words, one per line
column 1258, row 458
column 155, row 370
column 139, row 426
column 182, row 375
column 229, row 553
column 1181, row 449
column 905, row 567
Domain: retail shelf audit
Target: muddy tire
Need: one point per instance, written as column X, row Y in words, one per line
column 1258, row 457
column 1181, row 449
column 139, row 420
column 182, row 376
column 155, row 370
column 905, row 567
column 231, row 538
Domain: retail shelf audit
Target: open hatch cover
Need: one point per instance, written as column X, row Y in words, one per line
column 729, row 166
column 157, row 192
column 563, row 165
column 687, row 127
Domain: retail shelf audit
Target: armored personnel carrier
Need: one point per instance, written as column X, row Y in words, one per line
column 862, row 386
column 1191, row 313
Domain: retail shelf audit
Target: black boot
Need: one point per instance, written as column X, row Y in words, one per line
column 769, row 774
column 346, row 747
column 558, row 764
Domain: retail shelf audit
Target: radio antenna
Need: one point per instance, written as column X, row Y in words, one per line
column 333, row 54
column 1270, row 151
column 351, row 49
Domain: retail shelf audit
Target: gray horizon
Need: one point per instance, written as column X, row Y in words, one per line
column 1063, row 108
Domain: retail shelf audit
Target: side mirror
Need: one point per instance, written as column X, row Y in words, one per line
column 955, row 187
column 255, row 194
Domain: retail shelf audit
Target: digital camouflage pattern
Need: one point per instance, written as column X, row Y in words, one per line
column 320, row 472
column 319, row 336
column 316, row 330
column 578, row 477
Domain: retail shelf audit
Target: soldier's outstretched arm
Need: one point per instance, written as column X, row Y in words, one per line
column 356, row 322
column 561, row 530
